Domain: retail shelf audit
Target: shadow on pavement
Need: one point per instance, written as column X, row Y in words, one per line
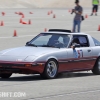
column 72, row 75
column 38, row 77
column 24, row 78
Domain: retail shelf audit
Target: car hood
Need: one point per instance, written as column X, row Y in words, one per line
column 21, row 53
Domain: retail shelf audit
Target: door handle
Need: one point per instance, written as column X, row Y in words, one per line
column 89, row 50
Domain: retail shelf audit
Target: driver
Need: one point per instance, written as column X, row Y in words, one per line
column 74, row 42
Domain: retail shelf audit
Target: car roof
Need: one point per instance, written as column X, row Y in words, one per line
column 66, row 33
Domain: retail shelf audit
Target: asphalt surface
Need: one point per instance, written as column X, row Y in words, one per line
column 67, row 86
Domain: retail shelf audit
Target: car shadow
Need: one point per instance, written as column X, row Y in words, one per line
column 39, row 78
column 74, row 75
column 24, row 78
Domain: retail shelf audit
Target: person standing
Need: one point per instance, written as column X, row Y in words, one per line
column 95, row 4
column 78, row 16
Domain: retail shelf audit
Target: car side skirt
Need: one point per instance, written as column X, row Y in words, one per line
column 77, row 64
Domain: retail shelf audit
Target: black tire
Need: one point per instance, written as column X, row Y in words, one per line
column 5, row 75
column 96, row 69
column 51, row 69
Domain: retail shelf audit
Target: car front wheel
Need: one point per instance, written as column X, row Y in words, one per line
column 5, row 75
column 96, row 69
column 51, row 69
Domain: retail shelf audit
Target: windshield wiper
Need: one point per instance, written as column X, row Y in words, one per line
column 32, row 45
column 50, row 46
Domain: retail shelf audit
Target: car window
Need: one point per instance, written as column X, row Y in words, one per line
column 51, row 40
column 96, row 42
column 42, row 40
column 82, row 40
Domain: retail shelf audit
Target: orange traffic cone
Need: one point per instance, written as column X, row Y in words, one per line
column 20, row 13
column 48, row 13
column 45, row 30
column 24, row 22
column 30, row 12
column 3, row 13
column 29, row 22
column 23, row 16
column 15, row 33
column 2, row 23
column 16, row 12
column 86, row 16
column 99, row 28
column 21, row 20
column 54, row 16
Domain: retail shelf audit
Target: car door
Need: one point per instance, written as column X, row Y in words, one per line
column 80, row 57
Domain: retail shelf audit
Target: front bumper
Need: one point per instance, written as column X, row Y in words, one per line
column 21, row 67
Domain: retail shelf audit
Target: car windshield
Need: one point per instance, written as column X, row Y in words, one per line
column 50, row 40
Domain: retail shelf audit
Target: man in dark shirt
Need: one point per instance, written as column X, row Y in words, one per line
column 78, row 16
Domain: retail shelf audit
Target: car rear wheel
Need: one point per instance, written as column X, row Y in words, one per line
column 96, row 69
column 5, row 75
column 50, row 70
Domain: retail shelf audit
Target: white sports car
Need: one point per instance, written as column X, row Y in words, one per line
column 52, row 52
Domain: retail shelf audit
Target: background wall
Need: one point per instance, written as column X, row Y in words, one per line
column 42, row 3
